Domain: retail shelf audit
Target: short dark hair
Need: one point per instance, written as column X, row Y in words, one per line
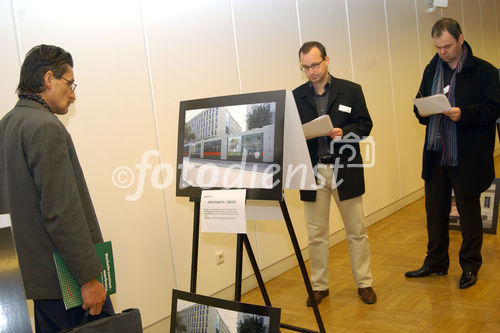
column 306, row 48
column 446, row 24
column 39, row 60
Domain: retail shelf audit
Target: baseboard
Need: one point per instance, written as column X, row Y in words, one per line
column 394, row 207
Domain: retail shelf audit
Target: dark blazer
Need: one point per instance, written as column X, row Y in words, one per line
column 356, row 123
column 477, row 94
column 43, row 188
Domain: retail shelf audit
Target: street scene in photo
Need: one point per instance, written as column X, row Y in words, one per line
column 229, row 147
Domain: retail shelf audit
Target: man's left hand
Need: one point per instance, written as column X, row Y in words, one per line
column 454, row 114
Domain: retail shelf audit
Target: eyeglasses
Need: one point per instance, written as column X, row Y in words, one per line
column 71, row 84
column 313, row 66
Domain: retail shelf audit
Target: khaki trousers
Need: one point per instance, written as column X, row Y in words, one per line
column 317, row 219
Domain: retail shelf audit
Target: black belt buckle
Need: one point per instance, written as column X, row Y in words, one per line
column 326, row 159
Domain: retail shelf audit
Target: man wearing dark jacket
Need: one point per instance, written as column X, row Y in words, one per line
column 338, row 168
column 458, row 149
column 43, row 189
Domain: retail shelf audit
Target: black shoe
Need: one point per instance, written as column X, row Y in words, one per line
column 468, row 279
column 318, row 296
column 425, row 271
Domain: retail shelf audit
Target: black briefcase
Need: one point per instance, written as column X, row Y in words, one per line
column 129, row 321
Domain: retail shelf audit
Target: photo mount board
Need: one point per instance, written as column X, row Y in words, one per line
column 271, row 315
column 489, row 201
column 209, row 145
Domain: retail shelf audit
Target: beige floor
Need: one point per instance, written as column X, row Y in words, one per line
column 431, row 304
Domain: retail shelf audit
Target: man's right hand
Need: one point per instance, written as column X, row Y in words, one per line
column 94, row 296
column 336, row 133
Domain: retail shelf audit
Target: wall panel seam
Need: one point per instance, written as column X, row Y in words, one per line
column 349, row 38
column 418, row 37
column 236, row 46
column 481, row 26
column 16, row 32
column 496, row 31
column 463, row 14
column 298, row 22
column 393, row 100
column 464, row 25
column 157, row 135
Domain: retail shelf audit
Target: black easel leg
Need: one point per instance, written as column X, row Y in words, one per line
column 194, row 251
column 239, row 268
column 256, row 270
column 302, row 266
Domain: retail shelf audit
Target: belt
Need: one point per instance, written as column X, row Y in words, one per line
column 326, row 159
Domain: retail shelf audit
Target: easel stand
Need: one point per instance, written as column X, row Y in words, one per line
column 242, row 239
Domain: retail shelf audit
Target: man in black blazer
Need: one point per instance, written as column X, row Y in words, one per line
column 43, row 189
column 458, row 149
column 338, row 167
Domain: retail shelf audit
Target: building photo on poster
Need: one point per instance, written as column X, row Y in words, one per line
column 231, row 142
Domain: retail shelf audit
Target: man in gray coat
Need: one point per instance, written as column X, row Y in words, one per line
column 43, row 189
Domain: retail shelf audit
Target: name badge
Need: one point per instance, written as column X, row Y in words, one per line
column 446, row 89
column 344, row 108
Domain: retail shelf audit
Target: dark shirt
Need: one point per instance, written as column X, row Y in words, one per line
column 321, row 102
column 447, row 75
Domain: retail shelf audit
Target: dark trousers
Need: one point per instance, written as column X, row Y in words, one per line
column 51, row 316
column 438, row 205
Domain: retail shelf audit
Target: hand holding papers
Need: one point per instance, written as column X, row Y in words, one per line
column 320, row 126
column 432, row 105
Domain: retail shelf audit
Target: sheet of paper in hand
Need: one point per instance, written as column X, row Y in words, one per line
column 432, row 104
column 317, row 127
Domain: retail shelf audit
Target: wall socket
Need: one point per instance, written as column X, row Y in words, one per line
column 219, row 257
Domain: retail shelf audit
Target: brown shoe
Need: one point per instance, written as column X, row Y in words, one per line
column 367, row 295
column 318, row 295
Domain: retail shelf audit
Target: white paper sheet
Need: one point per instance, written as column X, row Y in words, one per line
column 223, row 211
column 318, row 127
column 432, row 104
column 4, row 221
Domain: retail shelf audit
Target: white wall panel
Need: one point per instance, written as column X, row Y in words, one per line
column 490, row 33
column 112, row 125
column 9, row 64
column 425, row 22
column 472, row 27
column 193, row 55
column 326, row 22
column 406, row 77
column 268, row 42
column 372, row 71
column 454, row 10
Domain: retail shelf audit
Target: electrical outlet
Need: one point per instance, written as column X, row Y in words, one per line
column 219, row 257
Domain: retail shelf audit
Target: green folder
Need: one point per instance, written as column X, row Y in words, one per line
column 70, row 288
